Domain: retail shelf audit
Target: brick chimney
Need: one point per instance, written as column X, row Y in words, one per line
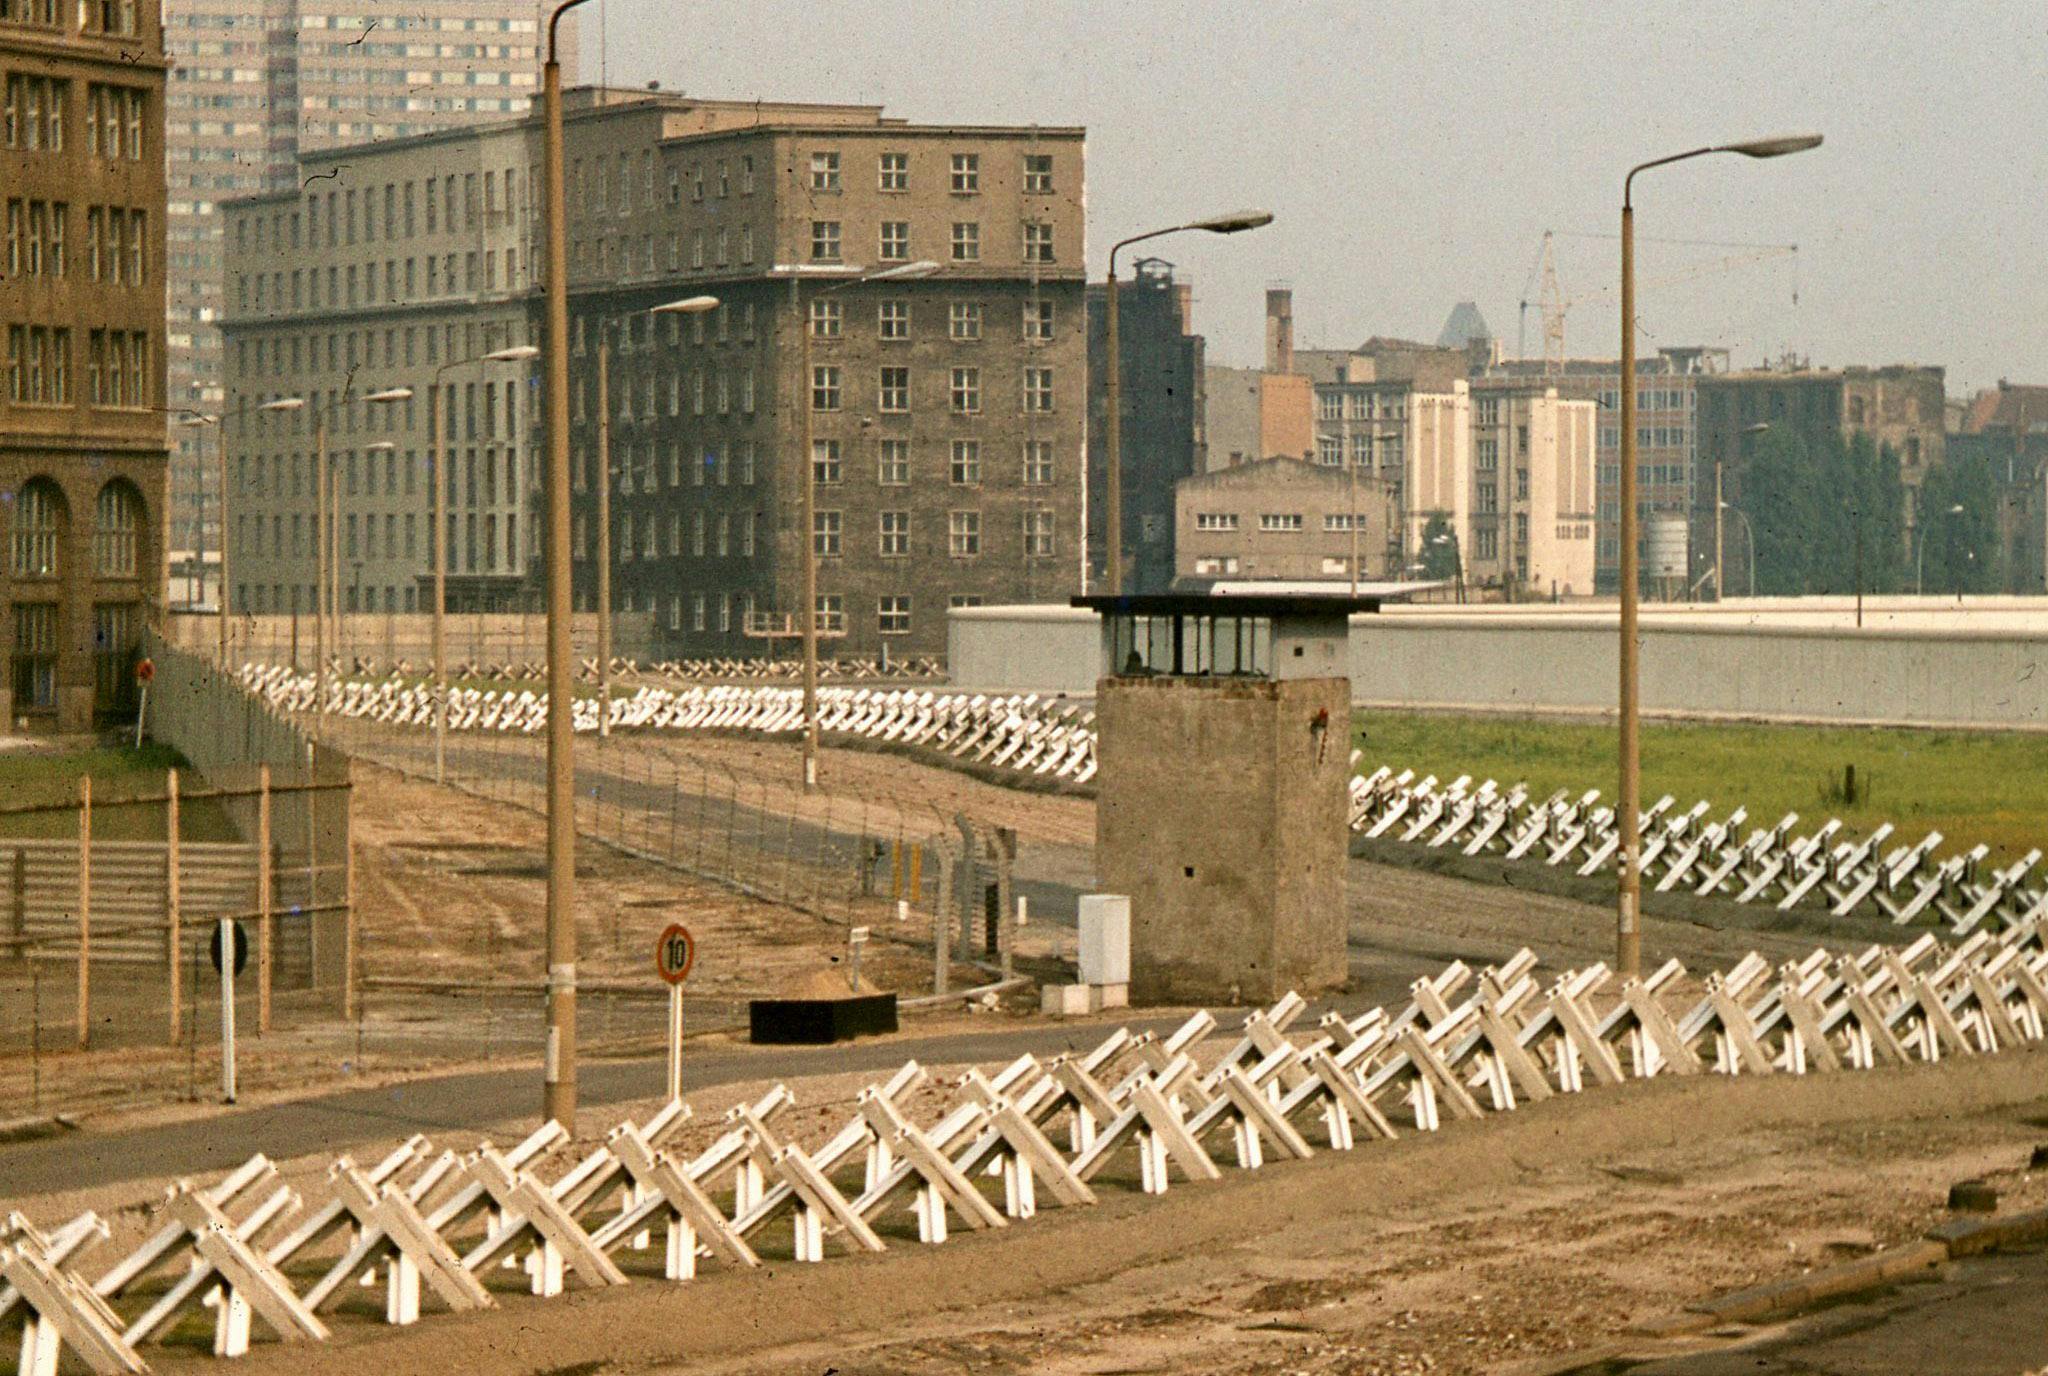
column 1279, row 329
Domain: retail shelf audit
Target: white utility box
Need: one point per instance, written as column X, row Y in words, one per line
column 1105, row 938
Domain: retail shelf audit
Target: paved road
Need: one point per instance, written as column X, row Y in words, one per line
column 474, row 1101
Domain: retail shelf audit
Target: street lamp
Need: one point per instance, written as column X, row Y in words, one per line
column 1720, row 505
column 689, row 305
column 1749, row 531
column 1236, row 222
column 558, row 1099
column 323, row 534
column 439, row 475
column 1920, row 553
column 808, row 516
column 1628, row 927
column 200, row 420
column 1457, row 559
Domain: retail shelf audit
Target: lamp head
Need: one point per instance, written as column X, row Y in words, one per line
column 903, row 272
column 689, row 305
column 284, row 404
column 380, row 446
column 1776, row 147
column 194, row 419
column 389, row 395
column 518, row 353
column 1236, row 222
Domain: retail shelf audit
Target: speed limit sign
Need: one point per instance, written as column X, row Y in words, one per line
column 674, row 953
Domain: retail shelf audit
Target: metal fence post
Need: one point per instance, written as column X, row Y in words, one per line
column 172, row 925
column 263, row 918
column 351, row 995
column 84, row 907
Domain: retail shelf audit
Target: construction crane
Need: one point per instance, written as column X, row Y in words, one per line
column 1552, row 302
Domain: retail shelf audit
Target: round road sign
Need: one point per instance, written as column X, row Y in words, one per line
column 145, row 671
column 674, row 953
column 241, row 952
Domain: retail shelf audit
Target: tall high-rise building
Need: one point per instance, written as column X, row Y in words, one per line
column 257, row 84
column 82, row 324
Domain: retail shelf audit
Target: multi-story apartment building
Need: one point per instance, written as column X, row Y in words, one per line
column 257, row 85
column 1282, row 519
column 82, row 429
column 1667, row 438
column 1164, row 408
column 947, row 411
column 400, row 265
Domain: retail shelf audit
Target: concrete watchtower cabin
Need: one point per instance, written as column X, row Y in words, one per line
column 1223, row 728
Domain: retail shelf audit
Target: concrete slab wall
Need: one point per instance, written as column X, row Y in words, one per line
column 1982, row 667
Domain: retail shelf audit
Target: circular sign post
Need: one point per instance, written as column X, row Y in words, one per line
column 145, row 674
column 675, row 951
column 230, row 952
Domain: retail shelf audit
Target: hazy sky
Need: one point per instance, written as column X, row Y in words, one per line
column 1414, row 153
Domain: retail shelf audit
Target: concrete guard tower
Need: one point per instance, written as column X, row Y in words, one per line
column 1224, row 745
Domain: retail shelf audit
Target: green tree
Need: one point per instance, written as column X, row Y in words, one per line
column 1439, row 550
column 1960, row 550
column 1822, row 512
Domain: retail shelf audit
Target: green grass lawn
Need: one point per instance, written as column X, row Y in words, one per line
column 1972, row 786
column 118, row 773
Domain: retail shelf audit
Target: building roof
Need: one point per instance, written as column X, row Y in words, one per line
column 1227, row 604
column 2008, row 406
column 1464, row 325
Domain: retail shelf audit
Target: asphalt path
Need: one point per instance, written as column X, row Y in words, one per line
column 478, row 1101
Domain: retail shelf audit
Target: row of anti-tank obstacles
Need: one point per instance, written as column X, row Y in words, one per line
column 624, row 668
column 1022, row 733
column 1692, row 852
column 1466, row 1045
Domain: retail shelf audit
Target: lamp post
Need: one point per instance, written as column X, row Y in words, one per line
column 808, row 515
column 1920, row 553
column 1721, row 504
column 1450, row 538
column 439, row 475
column 558, row 1097
column 200, row 420
column 1112, row 374
column 689, row 305
column 1628, row 925
column 1749, row 531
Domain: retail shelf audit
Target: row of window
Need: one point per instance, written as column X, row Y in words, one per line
column 1659, row 474
column 1332, row 404
column 472, row 541
column 892, row 173
column 892, row 390
column 1277, row 522
column 963, row 533
column 451, row 274
column 1330, row 450
column 964, row 320
column 893, row 244
column 277, row 354
column 342, row 216
column 33, row 116
column 963, row 469
column 1652, row 399
column 38, row 236
column 37, row 530
column 94, row 16
column 1648, row 437
column 260, row 475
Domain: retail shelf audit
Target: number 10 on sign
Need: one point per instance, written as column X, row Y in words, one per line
column 675, row 951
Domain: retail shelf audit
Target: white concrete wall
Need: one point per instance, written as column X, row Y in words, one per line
column 1921, row 663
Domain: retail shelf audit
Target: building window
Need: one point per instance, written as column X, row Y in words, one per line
column 824, row 388
column 1330, row 450
column 825, row 534
column 824, row 171
column 38, row 519
column 35, row 656
column 892, row 320
column 824, row 241
column 963, row 534
column 895, row 172
column 1280, row 523
column 966, row 241
column 117, row 526
column 825, row 315
column 830, row 610
column 1038, row 322
column 966, row 466
column 895, row 532
column 893, row 395
column 1038, row 463
column 1215, row 520
column 895, row 241
column 893, row 615
column 1038, row 534
column 893, row 469
column 964, row 320
column 1038, row 174
column 1038, row 389
column 825, row 469
column 966, row 391
column 966, row 173
column 1037, row 242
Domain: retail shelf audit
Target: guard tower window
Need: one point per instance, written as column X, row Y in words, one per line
column 1222, row 646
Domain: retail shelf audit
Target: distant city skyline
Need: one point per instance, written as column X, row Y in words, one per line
column 1414, row 156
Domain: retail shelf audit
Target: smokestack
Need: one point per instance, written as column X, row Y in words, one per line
column 1279, row 329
